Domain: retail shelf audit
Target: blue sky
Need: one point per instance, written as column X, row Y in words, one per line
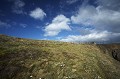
column 62, row 20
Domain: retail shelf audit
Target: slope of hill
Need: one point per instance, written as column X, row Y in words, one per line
column 34, row 59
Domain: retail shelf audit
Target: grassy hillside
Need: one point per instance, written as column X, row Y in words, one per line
column 33, row 59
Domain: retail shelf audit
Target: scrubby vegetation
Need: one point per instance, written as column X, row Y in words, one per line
column 34, row 59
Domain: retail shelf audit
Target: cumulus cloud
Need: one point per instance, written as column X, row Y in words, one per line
column 84, row 15
column 18, row 7
column 101, row 23
column 4, row 24
column 95, row 36
column 100, row 18
column 58, row 24
column 38, row 13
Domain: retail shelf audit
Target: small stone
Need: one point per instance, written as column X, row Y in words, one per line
column 62, row 65
column 66, row 77
column 99, row 77
column 31, row 76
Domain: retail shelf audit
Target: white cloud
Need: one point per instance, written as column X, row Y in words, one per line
column 18, row 7
column 58, row 24
column 93, row 37
column 103, row 22
column 4, row 24
column 100, row 18
column 38, row 14
column 84, row 15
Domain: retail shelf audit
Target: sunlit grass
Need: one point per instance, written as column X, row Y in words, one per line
column 30, row 59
